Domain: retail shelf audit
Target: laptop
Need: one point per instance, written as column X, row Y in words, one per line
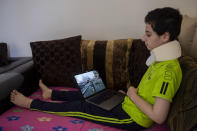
column 95, row 92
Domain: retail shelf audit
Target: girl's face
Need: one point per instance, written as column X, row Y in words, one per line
column 152, row 39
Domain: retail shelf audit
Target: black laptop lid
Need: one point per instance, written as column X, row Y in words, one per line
column 89, row 83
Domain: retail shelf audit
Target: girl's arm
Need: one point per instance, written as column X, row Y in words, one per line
column 157, row 112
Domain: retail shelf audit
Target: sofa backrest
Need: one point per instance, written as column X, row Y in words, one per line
column 183, row 113
column 120, row 63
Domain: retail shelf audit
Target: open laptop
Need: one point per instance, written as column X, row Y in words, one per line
column 94, row 91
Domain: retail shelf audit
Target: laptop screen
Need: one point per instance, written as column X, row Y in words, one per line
column 89, row 83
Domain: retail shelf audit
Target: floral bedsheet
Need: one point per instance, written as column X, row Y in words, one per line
column 21, row 119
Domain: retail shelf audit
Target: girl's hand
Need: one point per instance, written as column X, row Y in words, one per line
column 132, row 91
column 121, row 91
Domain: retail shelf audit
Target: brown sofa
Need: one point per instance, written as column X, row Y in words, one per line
column 120, row 63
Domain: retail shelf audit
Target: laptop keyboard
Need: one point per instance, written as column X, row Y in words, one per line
column 102, row 97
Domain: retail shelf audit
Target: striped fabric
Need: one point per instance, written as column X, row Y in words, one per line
column 110, row 59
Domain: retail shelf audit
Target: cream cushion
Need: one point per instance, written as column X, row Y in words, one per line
column 193, row 51
column 188, row 29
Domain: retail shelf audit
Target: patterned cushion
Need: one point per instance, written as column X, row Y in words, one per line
column 57, row 60
column 3, row 54
column 110, row 59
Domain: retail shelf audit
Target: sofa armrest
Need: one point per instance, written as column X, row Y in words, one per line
column 13, row 63
column 23, row 67
column 12, row 59
column 8, row 82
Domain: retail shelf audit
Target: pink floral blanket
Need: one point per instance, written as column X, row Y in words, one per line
column 20, row 119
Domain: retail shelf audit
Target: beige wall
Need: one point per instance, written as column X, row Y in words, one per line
column 22, row 21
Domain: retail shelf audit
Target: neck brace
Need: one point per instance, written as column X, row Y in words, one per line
column 165, row 52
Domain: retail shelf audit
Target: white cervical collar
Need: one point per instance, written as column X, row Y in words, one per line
column 168, row 51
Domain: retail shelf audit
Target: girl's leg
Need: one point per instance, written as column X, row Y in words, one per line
column 47, row 93
column 66, row 95
column 81, row 109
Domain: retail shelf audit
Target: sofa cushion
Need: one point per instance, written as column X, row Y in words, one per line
column 188, row 27
column 111, row 59
column 3, row 54
column 137, row 61
column 183, row 116
column 57, row 60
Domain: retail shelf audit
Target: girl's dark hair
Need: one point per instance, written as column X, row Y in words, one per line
column 165, row 19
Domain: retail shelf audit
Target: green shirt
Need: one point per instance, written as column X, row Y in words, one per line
column 160, row 80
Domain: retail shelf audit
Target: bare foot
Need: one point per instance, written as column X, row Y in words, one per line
column 46, row 92
column 19, row 99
